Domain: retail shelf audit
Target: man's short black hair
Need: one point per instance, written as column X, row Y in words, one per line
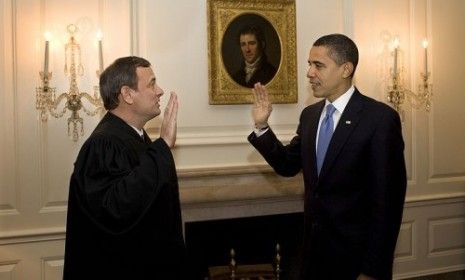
column 341, row 49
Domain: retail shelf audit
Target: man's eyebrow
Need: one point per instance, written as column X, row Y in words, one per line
column 317, row 62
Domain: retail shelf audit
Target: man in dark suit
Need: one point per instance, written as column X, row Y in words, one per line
column 350, row 149
column 255, row 68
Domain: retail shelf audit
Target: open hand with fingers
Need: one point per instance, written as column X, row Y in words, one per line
column 169, row 125
column 262, row 108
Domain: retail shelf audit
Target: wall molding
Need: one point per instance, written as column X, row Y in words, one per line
column 407, row 230
column 7, row 269
column 220, row 135
column 199, row 201
column 434, row 233
column 32, row 235
column 425, row 272
column 52, row 266
column 8, row 104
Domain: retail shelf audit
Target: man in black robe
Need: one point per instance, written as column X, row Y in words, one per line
column 255, row 67
column 124, row 218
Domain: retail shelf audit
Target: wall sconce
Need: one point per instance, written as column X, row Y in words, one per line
column 397, row 93
column 46, row 100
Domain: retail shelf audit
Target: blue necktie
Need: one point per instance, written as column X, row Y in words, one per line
column 324, row 136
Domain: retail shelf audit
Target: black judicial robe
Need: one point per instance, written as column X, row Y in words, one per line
column 124, row 218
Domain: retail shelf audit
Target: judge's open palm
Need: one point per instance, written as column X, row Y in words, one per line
column 262, row 108
column 168, row 128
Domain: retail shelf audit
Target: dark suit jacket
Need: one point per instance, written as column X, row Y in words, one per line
column 353, row 210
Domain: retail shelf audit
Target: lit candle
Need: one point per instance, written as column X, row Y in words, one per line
column 100, row 51
column 425, row 46
column 47, row 39
column 396, row 49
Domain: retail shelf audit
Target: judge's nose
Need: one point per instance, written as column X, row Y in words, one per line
column 159, row 91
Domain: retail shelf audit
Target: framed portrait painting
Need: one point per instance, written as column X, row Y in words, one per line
column 251, row 41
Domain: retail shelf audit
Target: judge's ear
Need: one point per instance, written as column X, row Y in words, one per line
column 126, row 95
column 348, row 69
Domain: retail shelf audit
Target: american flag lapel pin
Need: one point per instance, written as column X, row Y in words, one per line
column 348, row 122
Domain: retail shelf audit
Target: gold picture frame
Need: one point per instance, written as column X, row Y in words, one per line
column 277, row 18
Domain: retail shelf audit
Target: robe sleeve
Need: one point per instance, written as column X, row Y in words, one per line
column 115, row 186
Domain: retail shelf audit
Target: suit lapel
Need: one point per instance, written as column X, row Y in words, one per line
column 345, row 127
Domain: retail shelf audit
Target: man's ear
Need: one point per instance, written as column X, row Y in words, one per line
column 348, row 69
column 126, row 94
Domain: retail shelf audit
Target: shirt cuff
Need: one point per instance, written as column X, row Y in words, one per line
column 260, row 131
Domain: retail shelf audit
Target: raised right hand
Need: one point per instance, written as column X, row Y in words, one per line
column 262, row 108
column 168, row 128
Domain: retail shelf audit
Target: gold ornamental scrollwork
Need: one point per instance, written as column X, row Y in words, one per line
column 223, row 15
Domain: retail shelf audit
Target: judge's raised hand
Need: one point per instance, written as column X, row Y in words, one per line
column 262, row 108
column 169, row 124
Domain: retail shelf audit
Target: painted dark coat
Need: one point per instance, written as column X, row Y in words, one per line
column 263, row 74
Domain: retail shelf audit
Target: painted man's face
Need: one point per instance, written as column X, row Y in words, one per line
column 250, row 47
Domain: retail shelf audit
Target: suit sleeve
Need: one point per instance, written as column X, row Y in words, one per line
column 285, row 160
column 387, row 195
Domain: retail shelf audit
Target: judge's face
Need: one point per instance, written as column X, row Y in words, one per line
column 147, row 96
column 250, row 47
column 327, row 78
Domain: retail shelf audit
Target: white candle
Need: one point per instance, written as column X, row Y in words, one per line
column 100, row 51
column 47, row 39
column 396, row 49
column 425, row 46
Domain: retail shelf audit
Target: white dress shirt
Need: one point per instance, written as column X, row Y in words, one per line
column 340, row 104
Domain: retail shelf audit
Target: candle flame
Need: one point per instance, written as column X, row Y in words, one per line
column 99, row 35
column 48, row 36
column 396, row 43
column 425, row 43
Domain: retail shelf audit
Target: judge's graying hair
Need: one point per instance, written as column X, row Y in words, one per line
column 122, row 72
column 341, row 49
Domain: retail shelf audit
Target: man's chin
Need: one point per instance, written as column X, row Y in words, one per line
column 156, row 113
column 317, row 93
column 315, row 90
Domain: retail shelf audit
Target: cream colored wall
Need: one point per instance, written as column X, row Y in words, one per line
column 220, row 174
column 182, row 50
column 435, row 141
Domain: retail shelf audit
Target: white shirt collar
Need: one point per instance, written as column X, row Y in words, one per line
column 341, row 102
column 139, row 131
